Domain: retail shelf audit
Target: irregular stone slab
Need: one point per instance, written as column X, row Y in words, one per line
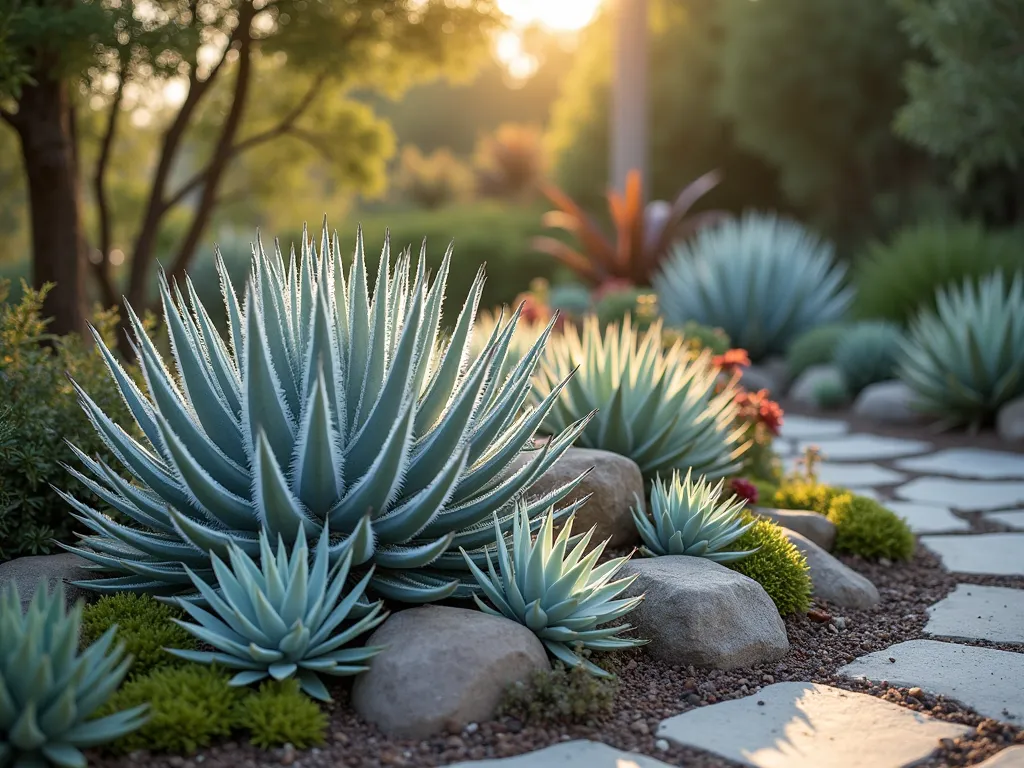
column 968, row 462
column 1012, row 518
column 1011, row 757
column 831, row 580
column 611, row 486
column 1010, row 420
column 806, row 427
column 809, row 725
column 854, row 475
column 29, row 572
column 968, row 495
column 974, row 612
column 815, row 527
column 570, row 754
column 924, row 518
column 891, row 402
column 443, row 668
column 807, row 385
column 866, row 447
column 987, row 680
column 995, row 554
column 702, row 613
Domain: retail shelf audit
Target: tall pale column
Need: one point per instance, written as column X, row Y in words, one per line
column 629, row 96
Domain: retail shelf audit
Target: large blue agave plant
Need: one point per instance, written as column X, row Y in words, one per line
column 326, row 404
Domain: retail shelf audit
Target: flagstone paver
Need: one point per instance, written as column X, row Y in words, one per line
column 964, row 494
column 996, row 554
column 854, row 475
column 976, row 612
column 985, row 679
column 1011, row 757
column 808, row 725
column 1013, row 518
column 570, row 754
column 968, row 462
column 807, row 427
column 925, row 518
column 866, row 447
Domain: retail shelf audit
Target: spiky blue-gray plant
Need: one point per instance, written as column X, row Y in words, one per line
column 558, row 593
column 688, row 519
column 965, row 359
column 658, row 407
column 282, row 618
column 763, row 279
column 48, row 690
column 325, row 405
column 867, row 353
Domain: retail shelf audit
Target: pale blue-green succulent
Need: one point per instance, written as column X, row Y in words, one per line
column 688, row 519
column 49, row 691
column 658, row 407
column 763, row 279
column 283, row 617
column 325, row 405
column 868, row 353
column 558, row 593
column 967, row 358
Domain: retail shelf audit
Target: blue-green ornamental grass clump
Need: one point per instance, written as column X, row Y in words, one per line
column 561, row 595
column 764, row 279
column 688, row 519
column 964, row 360
column 49, row 692
column 657, row 406
column 282, row 619
column 326, row 406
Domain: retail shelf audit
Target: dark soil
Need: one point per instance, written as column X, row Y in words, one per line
column 650, row 692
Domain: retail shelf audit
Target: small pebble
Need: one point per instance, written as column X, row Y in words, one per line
column 640, row 726
column 917, row 693
column 287, row 755
column 472, row 728
column 661, row 745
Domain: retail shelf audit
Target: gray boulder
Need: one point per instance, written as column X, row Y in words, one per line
column 815, row 527
column 702, row 613
column 888, row 401
column 771, row 374
column 1010, row 420
column 29, row 572
column 612, row 485
column 442, row 669
column 831, row 580
column 805, row 388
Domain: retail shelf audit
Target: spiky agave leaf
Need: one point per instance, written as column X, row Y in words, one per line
column 688, row 519
column 282, row 617
column 658, row 407
column 964, row 360
column 326, row 404
column 555, row 588
column 49, row 691
column 763, row 279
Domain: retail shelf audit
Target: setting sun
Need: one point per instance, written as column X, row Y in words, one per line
column 561, row 15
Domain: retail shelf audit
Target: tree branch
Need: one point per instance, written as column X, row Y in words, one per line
column 101, row 269
column 286, row 125
column 312, row 140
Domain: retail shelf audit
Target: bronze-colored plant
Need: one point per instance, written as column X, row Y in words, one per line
column 643, row 233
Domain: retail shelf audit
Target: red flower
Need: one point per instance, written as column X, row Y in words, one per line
column 610, row 285
column 757, row 406
column 770, row 414
column 733, row 358
column 744, row 489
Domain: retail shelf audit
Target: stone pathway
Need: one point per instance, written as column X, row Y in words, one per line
column 945, row 495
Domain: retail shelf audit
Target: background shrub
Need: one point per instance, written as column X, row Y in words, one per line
column 806, row 495
column 898, row 278
column 867, row 353
column 434, row 180
column 42, row 412
column 279, row 713
column 815, row 347
column 832, row 393
column 866, row 528
column 777, row 565
column 143, row 625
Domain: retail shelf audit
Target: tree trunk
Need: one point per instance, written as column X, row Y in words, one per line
column 43, row 123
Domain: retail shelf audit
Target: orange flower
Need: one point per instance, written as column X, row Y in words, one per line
column 732, row 359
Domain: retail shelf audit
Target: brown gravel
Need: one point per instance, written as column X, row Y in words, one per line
column 650, row 693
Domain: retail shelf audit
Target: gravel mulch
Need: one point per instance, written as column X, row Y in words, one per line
column 821, row 643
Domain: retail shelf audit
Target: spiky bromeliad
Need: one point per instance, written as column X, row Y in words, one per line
column 326, row 403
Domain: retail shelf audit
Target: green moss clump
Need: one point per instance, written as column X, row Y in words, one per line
column 866, row 528
column 560, row 695
column 805, row 495
column 777, row 565
column 280, row 714
column 143, row 625
column 190, row 705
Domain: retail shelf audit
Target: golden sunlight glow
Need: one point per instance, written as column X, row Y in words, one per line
column 558, row 15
